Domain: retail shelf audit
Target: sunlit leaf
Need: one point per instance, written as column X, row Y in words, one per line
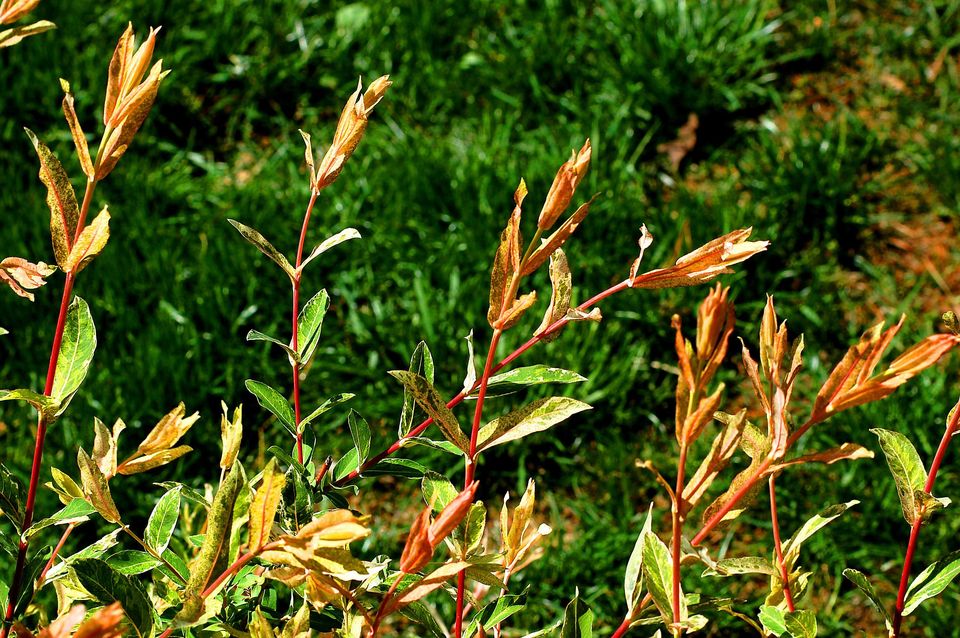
column 907, row 469
column 360, row 432
column 256, row 335
column 527, row 376
column 561, row 282
column 309, row 324
column 534, row 417
column 741, row 565
column 132, row 562
column 263, row 509
column 429, row 583
column 633, row 575
column 438, row 491
column 153, row 460
column 344, row 235
column 791, row 547
column 91, row 242
column 76, row 511
column 76, row 352
column 506, row 263
column 657, row 576
column 932, row 581
column 325, row 407
column 12, row 36
column 231, row 433
column 577, row 619
column 162, row 521
column 76, row 131
column 46, row 406
column 557, row 239
column 95, row 488
column 11, row 497
column 23, row 276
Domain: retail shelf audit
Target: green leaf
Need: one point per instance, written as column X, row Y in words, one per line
column 420, row 614
column 470, row 379
column 326, row 406
column 46, row 406
column 421, row 362
column 430, row 402
column 256, row 335
column 791, row 548
column 577, row 619
column 657, row 575
column 107, row 585
column 309, row 324
column 349, row 462
column 906, row 467
column 11, row 497
column 273, row 402
column 76, row 511
column 4, row 331
column 742, row 565
column 437, row 490
column 865, row 586
column 76, row 352
column 773, row 620
column 360, row 432
column 519, row 378
column 162, row 520
column 132, row 562
column 404, row 468
column 801, row 623
column 633, row 576
column 535, row 417
column 335, row 240
column 473, row 526
column 931, row 581
column 265, row 247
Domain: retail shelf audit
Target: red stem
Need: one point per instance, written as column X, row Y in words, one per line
column 470, row 470
column 784, row 574
column 623, row 628
column 729, row 505
column 56, row 551
column 534, row 340
column 28, row 509
column 677, row 532
column 917, row 524
column 295, row 321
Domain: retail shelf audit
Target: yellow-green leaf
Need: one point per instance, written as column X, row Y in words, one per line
column 95, row 488
column 61, row 199
column 90, row 243
column 263, row 509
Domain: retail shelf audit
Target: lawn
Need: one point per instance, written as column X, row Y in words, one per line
column 830, row 127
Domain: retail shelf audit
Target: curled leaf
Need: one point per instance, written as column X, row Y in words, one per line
column 23, row 276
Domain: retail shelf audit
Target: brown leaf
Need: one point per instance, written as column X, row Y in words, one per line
column 76, row 131
column 512, row 316
column 677, row 149
column 506, row 262
column 561, row 283
column 104, row 623
column 433, row 581
column 13, row 10
column 721, row 451
column 557, row 239
column 705, row 263
column 847, row 451
column 61, row 200
column 417, row 551
column 646, row 239
column 564, row 185
column 715, row 323
column 22, row 275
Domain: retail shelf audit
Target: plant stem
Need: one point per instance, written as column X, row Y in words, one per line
column 470, row 470
column 623, row 628
column 53, row 557
column 295, row 322
column 35, row 468
column 678, row 518
column 729, row 505
column 375, row 625
column 784, row 574
column 948, row 433
column 534, row 340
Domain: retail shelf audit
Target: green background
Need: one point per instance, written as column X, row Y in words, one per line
column 823, row 125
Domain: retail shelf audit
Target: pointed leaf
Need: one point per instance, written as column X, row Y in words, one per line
column 90, row 243
column 577, row 619
column 931, row 581
column 561, row 282
column 76, row 352
column 633, row 576
column 534, row 417
column 256, row 335
column 263, row 509
column 265, row 247
column 107, row 585
column 273, row 402
column 791, row 548
column 11, row 497
column 421, row 362
column 430, row 402
column 95, row 488
column 309, row 324
column 12, row 36
column 527, row 376
column 46, row 406
column 162, row 521
column 76, row 511
column 906, row 467
column 344, row 235
column 865, row 586
column 326, row 406
column 360, row 432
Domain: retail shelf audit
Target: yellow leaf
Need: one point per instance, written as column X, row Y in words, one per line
column 147, row 462
column 79, row 139
column 263, row 509
column 95, row 488
column 91, row 241
column 231, row 432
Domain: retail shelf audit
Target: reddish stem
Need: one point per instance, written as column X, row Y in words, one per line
column 295, row 322
column 784, row 574
column 56, row 551
column 678, row 532
column 917, row 524
column 470, row 470
column 28, row 509
column 729, row 505
column 623, row 628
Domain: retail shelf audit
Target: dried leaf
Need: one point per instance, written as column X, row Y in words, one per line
column 512, row 316
column 505, row 266
column 721, row 451
column 557, row 239
column 22, row 275
column 79, row 139
column 705, row 263
column 847, row 451
column 231, row 433
column 561, row 282
column 646, row 239
column 168, row 430
column 564, row 185
column 10, row 37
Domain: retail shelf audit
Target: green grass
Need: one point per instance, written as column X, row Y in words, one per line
column 796, row 131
